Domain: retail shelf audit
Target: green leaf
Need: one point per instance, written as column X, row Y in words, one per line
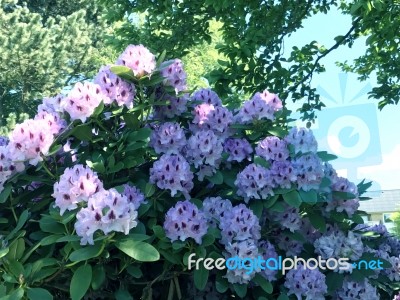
column 310, row 196
column 123, row 72
column 159, row 231
column 3, row 252
column 240, row 289
column 21, row 222
column 149, row 190
column 217, row 178
column 257, row 207
column 317, row 221
column 82, row 132
column 39, row 294
column 264, row 283
column 54, row 149
column 140, row 135
column 86, row 252
column 140, row 251
column 261, row 161
column 5, row 193
column 15, row 295
column 122, row 294
column 277, row 131
column 99, row 276
column 80, row 282
column 283, row 297
column 48, row 224
column 207, row 240
column 292, row 198
column 50, row 239
column 334, row 281
column 221, row 285
column 161, row 58
column 201, row 278
column 99, row 109
column 278, row 207
column 343, row 195
column 134, row 271
column 325, row 156
column 16, row 268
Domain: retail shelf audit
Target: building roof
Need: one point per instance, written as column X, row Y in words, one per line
column 382, row 201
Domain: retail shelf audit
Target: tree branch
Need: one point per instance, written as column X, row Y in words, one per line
column 338, row 43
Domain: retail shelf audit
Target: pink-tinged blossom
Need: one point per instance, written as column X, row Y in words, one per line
column 302, row 140
column 309, row 171
column 207, row 96
column 134, row 196
column 172, row 172
column 115, row 88
column 75, row 185
column 354, row 290
column 397, row 297
column 108, row 211
column 168, row 138
column 139, row 59
column 210, row 117
column 174, row 74
column 30, row 140
column 254, row 182
column 55, row 123
column 273, row 148
column 246, row 249
column 82, row 100
column 305, row 283
column 215, row 208
column 239, row 224
column 204, row 147
column 184, row 221
column 238, row 149
column 260, row 106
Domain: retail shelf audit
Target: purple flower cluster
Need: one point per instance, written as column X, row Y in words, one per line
column 305, row 282
column 267, row 251
column 184, row 221
column 207, row 96
column 283, row 174
column 216, row 118
column 350, row 206
column 254, row 182
column 6, row 166
column 172, row 172
column 289, row 245
column 245, row 249
column 215, row 208
column 51, row 104
column 114, row 88
column 176, row 106
column 339, row 245
column 273, row 148
column 168, row 138
column 82, row 100
column 356, row 290
column 204, row 147
column 302, row 139
column 261, row 106
column 239, row 224
column 108, row 211
column 4, row 141
column 76, row 185
column 139, row 59
column 134, row 196
column 309, row 171
column 289, row 219
column 54, row 121
column 174, row 75
column 238, row 149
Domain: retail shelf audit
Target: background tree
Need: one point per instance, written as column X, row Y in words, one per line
column 253, row 34
column 44, row 46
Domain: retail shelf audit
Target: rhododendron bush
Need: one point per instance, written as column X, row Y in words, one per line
column 110, row 188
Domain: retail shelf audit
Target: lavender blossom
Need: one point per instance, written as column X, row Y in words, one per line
column 207, row 96
column 184, row 221
column 302, row 139
column 174, row 75
column 168, row 138
column 238, row 149
column 215, row 208
column 273, row 148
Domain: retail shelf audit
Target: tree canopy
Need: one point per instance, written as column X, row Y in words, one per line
column 252, row 42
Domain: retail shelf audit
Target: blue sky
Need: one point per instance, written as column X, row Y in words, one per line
column 365, row 139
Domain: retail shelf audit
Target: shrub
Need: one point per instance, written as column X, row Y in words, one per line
column 112, row 189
